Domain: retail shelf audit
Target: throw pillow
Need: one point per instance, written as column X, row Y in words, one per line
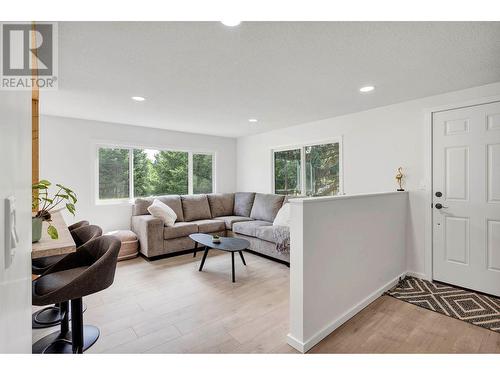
column 162, row 211
column 283, row 216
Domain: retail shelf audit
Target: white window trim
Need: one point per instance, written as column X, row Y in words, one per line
column 302, row 147
column 127, row 201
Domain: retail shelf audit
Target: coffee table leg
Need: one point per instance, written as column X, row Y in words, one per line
column 232, row 263
column 242, row 259
column 195, row 247
column 203, row 259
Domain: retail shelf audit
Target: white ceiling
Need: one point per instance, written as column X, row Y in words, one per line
column 204, row 77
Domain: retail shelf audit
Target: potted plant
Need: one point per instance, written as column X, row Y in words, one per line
column 43, row 204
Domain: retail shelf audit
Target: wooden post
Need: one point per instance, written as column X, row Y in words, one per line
column 35, row 116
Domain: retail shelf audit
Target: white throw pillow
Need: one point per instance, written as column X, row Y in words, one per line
column 283, row 216
column 162, row 211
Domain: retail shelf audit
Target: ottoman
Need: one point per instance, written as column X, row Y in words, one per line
column 130, row 244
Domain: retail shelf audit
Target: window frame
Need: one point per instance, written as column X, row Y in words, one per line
column 302, row 147
column 130, row 200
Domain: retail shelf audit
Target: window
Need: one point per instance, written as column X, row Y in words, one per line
column 113, row 173
column 160, row 172
column 322, row 169
column 202, row 173
column 287, row 172
column 312, row 170
column 126, row 173
column 143, row 172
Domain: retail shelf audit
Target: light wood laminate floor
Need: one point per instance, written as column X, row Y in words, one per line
column 167, row 306
column 389, row 325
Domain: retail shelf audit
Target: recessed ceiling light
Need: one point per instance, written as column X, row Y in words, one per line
column 252, row 120
column 231, row 23
column 367, row 88
column 138, row 98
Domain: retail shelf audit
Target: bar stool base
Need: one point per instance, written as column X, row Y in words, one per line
column 48, row 317
column 58, row 343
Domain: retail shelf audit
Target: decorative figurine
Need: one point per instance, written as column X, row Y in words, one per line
column 399, row 179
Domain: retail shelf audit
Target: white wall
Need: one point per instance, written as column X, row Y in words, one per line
column 15, row 180
column 67, row 156
column 375, row 143
column 337, row 244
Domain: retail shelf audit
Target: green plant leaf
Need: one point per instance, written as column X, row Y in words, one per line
column 63, row 187
column 39, row 186
column 52, row 231
column 71, row 208
column 45, row 182
column 65, row 196
column 68, row 191
column 72, row 196
column 47, row 199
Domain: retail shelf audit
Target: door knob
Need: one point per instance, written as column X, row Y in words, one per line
column 439, row 206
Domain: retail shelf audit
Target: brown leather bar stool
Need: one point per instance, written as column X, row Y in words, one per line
column 52, row 315
column 87, row 271
column 82, row 223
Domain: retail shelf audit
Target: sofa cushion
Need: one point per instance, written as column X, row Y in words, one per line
column 209, row 225
column 230, row 220
column 266, row 206
column 243, row 204
column 195, row 207
column 267, row 233
column 221, row 204
column 283, row 216
column 249, row 228
column 173, row 201
column 180, row 229
column 164, row 212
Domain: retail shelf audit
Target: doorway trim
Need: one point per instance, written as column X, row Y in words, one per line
column 428, row 161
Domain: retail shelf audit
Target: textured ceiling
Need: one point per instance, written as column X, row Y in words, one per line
column 204, row 77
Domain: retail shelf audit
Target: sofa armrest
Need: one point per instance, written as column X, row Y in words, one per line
column 149, row 231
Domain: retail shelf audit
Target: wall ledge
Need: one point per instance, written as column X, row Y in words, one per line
column 313, row 200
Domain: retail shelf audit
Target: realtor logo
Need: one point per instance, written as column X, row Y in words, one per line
column 29, row 56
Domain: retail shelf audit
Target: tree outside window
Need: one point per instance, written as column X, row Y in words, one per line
column 154, row 172
column 287, row 174
column 310, row 170
column 202, row 173
column 113, row 173
column 322, row 170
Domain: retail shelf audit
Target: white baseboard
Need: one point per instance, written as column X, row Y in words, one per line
column 294, row 343
column 303, row 347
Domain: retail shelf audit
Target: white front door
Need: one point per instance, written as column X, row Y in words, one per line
column 466, row 197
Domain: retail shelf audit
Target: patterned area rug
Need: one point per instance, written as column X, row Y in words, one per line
column 471, row 307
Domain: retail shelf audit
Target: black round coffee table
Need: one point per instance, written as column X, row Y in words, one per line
column 229, row 244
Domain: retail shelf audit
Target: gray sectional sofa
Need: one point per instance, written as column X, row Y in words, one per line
column 243, row 214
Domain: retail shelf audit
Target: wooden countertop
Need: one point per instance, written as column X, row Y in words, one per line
column 47, row 246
